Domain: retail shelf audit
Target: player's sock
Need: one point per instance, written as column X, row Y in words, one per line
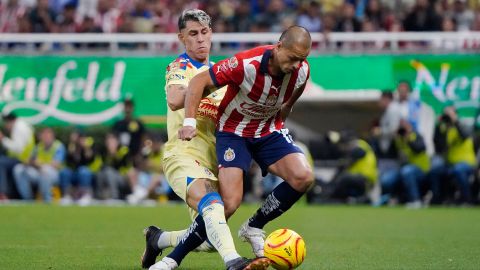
column 278, row 202
column 170, row 239
column 218, row 232
column 194, row 236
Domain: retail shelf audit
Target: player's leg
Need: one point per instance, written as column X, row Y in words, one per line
column 202, row 196
column 210, row 223
column 282, row 158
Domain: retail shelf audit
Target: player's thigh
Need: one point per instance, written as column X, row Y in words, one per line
column 231, row 188
column 234, row 159
column 294, row 169
column 182, row 173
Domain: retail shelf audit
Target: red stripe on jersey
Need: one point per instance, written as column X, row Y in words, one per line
column 230, row 94
column 257, row 89
column 251, row 126
column 233, row 121
column 266, row 128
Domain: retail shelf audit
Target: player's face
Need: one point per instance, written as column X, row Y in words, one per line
column 197, row 39
column 290, row 59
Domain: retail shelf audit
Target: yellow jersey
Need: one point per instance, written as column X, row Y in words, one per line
column 201, row 147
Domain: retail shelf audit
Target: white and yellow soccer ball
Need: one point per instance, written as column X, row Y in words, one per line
column 285, row 248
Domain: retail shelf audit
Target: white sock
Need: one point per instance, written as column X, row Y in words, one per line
column 170, row 239
column 218, row 231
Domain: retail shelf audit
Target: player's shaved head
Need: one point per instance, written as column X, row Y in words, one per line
column 296, row 36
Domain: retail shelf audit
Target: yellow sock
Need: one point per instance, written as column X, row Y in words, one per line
column 218, row 231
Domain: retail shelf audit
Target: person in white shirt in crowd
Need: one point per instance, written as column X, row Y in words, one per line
column 19, row 144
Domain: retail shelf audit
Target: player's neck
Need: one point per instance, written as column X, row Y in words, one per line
column 203, row 61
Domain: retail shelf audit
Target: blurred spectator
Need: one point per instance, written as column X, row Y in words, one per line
column 112, row 177
column 241, row 20
column 43, row 168
column 476, row 22
column 19, row 144
column 423, row 17
column 275, row 13
column 412, row 177
column 107, row 16
column 88, row 26
column 358, row 173
column 130, row 130
column 310, row 17
column 42, row 18
column 331, row 5
column 347, row 21
column 59, row 5
column 449, row 24
column 86, row 8
column 10, row 14
column 148, row 178
column 409, row 105
column 142, row 17
column 463, row 17
column 375, row 15
column 82, row 161
column 66, row 20
column 454, row 144
column 388, row 125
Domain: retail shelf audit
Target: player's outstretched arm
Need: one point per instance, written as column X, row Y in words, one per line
column 200, row 83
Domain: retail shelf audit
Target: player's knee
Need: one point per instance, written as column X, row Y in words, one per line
column 209, row 199
column 302, row 179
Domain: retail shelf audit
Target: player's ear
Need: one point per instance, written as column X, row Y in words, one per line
column 181, row 37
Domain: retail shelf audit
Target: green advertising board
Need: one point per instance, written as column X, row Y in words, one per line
column 62, row 90
column 82, row 90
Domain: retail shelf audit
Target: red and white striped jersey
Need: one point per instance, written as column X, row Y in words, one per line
column 252, row 103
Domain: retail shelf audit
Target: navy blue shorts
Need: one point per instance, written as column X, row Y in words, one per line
column 236, row 151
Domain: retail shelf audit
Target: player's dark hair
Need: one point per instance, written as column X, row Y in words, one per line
column 196, row 15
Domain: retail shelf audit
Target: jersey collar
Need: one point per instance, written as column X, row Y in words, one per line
column 264, row 64
column 195, row 63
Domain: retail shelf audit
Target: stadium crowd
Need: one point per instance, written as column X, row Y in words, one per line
column 160, row 16
column 390, row 164
column 123, row 163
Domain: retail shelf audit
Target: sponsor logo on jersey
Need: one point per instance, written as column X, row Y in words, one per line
column 258, row 111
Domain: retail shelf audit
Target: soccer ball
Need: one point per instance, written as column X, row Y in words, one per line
column 285, row 248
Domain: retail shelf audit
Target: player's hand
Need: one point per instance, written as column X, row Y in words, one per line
column 285, row 111
column 187, row 133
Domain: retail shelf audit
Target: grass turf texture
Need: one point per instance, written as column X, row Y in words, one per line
column 337, row 237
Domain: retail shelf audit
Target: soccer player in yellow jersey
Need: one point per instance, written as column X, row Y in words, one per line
column 191, row 167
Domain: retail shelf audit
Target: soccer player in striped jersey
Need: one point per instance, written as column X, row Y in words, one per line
column 191, row 167
column 263, row 85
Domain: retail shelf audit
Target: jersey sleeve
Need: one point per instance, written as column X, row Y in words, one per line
column 177, row 73
column 228, row 71
column 303, row 74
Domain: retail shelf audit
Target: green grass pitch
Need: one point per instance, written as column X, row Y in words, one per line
column 337, row 237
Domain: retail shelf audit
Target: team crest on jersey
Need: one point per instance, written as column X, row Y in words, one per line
column 229, row 154
column 233, row 62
